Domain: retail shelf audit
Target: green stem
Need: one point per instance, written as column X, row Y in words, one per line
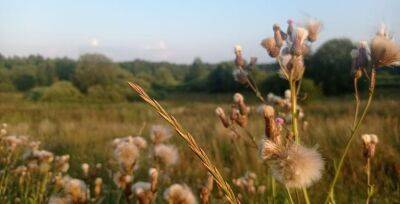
column 293, row 99
column 306, row 198
column 357, row 98
column 290, row 196
column 352, row 135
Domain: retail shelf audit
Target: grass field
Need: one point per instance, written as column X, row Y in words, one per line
column 85, row 132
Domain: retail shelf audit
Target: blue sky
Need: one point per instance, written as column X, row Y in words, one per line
column 176, row 30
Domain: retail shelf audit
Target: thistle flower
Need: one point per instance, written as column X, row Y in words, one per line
column 206, row 190
column 13, row 141
column 279, row 35
column 179, row 194
column 270, row 45
column 236, row 116
column 167, row 154
column 98, row 182
column 122, row 180
column 296, row 166
column 160, row 133
column 383, row 31
column 384, row 52
column 221, row 115
column 77, row 190
column 313, row 28
column 287, row 94
column 85, row 169
column 126, row 155
column 240, row 76
column 299, row 48
column 360, row 58
column 239, row 61
column 139, row 142
column 369, row 141
column 247, row 182
column 271, row 130
column 61, row 163
column 238, row 99
column 153, row 173
column 290, row 31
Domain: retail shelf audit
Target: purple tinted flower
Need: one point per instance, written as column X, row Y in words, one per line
column 280, row 121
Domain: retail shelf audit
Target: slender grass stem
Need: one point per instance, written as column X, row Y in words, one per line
column 357, row 98
column 190, row 141
column 289, row 195
column 306, row 198
column 349, row 141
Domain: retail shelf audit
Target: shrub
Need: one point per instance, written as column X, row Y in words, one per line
column 61, row 91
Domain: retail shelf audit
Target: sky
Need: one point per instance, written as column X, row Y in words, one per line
column 177, row 30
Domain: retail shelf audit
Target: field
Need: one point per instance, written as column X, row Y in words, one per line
column 85, row 131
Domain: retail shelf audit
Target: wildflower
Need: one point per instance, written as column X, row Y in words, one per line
column 271, row 130
column 85, row 169
column 240, row 76
column 61, row 163
column 236, row 116
column 294, row 165
column 239, row 61
column 166, row 154
column 369, row 141
column 287, row 94
column 299, row 48
column 77, row 190
column 221, row 114
column 98, row 182
column 270, row 45
column 360, row 58
column 313, row 28
column 179, row 194
column 122, row 180
column 279, row 35
column 384, row 52
column 139, row 142
column 247, row 182
column 145, row 191
column 383, row 31
column 159, row 133
column 13, row 141
column 290, row 31
column 206, row 190
column 239, row 100
column 126, row 154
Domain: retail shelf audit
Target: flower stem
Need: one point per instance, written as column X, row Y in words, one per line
column 352, row 135
column 293, row 99
column 289, row 195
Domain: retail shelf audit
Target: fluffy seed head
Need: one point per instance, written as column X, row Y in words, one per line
column 238, row 98
column 270, row 45
column 297, row 166
column 76, row 189
column 313, row 28
column 85, row 169
column 139, row 142
column 179, row 194
column 160, row 133
column 167, row 154
column 126, row 155
column 384, row 52
column 240, row 75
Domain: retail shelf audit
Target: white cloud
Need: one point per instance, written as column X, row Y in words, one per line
column 94, row 42
column 159, row 46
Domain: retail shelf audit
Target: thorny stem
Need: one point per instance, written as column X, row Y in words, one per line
column 352, row 135
column 293, row 98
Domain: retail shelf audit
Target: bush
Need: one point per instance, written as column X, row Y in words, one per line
column 310, row 89
column 107, row 93
column 61, row 91
column 35, row 94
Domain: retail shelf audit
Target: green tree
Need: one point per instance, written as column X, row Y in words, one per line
column 330, row 67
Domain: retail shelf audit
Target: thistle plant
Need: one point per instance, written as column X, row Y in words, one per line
column 369, row 145
column 381, row 52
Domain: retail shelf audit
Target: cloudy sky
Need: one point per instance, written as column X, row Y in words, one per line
column 176, row 30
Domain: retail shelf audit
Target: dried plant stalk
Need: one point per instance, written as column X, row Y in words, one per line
column 190, row 141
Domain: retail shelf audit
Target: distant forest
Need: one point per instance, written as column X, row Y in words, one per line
column 96, row 77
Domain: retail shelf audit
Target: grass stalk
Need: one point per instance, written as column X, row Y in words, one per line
column 190, row 141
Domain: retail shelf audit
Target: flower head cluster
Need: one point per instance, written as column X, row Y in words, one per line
column 241, row 73
column 289, row 48
column 145, row 191
column 238, row 115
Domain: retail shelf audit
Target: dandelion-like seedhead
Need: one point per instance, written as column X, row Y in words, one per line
column 166, row 154
column 160, row 133
column 297, row 166
column 369, row 142
column 179, row 194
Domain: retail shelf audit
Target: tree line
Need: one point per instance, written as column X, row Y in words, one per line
column 97, row 77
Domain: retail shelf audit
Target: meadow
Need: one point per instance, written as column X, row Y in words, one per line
column 85, row 131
